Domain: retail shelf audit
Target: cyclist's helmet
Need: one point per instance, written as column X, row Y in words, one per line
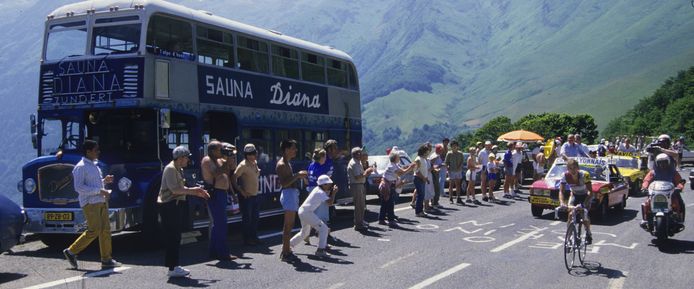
column 664, row 141
column 662, row 161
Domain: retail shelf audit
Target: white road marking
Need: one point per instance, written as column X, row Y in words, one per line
column 490, row 232
column 402, row 209
column 335, row 286
column 398, row 260
column 555, row 223
column 78, row 278
column 383, row 240
column 690, row 205
column 516, row 241
column 618, row 282
column 440, row 276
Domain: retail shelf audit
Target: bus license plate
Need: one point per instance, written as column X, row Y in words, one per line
column 543, row 201
column 57, row 216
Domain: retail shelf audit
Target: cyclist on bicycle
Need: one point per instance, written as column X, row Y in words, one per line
column 581, row 192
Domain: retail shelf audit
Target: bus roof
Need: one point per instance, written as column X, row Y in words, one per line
column 160, row 6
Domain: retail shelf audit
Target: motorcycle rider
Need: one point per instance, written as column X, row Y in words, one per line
column 664, row 170
column 662, row 145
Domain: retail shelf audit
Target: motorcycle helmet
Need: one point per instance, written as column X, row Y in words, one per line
column 664, row 141
column 662, row 161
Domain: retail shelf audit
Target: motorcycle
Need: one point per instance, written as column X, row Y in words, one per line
column 661, row 220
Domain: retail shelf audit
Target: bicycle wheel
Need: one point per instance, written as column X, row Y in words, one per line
column 581, row 242
column 569, row 248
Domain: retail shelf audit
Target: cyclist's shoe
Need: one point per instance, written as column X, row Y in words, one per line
column 589, row 239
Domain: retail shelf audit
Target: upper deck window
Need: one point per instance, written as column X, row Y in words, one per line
column 215, row 47
column 116, row 39
column 66, row 39
column 337, row 73
column 170, row 37
column 285, row 62
column 253, row 55
column 353, row 81
column 312, row 67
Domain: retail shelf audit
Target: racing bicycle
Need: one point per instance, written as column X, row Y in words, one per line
column 574, row 240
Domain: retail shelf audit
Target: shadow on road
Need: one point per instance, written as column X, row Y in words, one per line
column 190, row 282
column 674, row 246
column 9, row 277
column 592, row 268
column 616, row 217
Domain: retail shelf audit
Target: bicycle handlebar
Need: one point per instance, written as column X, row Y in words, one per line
column 569, row 208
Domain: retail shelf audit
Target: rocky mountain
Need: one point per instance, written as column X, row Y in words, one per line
column 426, row 66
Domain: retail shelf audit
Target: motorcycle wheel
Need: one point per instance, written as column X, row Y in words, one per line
column 661, row 228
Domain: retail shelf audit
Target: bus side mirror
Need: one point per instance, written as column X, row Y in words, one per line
column 34, row 131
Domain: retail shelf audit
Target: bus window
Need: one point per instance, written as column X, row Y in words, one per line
column 262, row 139
column 64, row 40
column 116, row 39
column 170, row 37
column 178, row 135
column 285, row 62
column 215, row 47
column 124, row 135
column 337, row 73
column 353, row 81
column 312, row 67
column 312, row 141
column 59, row 134
column 252, row 55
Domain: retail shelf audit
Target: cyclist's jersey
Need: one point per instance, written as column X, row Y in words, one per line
column 577, row 184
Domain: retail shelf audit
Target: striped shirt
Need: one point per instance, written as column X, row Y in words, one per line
column 88, row 182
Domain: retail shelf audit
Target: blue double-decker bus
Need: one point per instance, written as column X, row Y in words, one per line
column 142, row 77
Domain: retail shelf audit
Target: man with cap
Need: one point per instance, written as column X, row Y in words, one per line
column 93, row 199
column 323, row 193
column 172, row 208
column 249, row 174
column 357, row 177
column 483, row 159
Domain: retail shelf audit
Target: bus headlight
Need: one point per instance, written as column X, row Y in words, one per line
column 124, row 184
column 30, row 185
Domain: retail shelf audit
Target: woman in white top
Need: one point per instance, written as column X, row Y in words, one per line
column 470, row 176
column 387, row 189
column 539, row 166
column 323, row 193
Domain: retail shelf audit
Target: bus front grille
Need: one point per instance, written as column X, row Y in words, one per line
column 55, row 184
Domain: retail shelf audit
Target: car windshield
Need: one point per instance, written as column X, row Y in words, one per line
column 597, row 172
column 380, row 161
column 627, row 163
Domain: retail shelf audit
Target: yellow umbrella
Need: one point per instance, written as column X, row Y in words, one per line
column 520, row 135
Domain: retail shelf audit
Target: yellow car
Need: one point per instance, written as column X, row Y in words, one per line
column 633, row 169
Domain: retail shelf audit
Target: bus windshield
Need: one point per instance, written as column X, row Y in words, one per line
column 124, row 135
column 59, row 134
column 66, row 39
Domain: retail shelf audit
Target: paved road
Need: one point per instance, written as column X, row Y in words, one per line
column 490, row 246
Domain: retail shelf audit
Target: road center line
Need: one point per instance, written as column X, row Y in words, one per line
column 398, row 260
column 401, row 209
column 78, row 278
column 617, row 283
column 440, row 276
column 516, row 241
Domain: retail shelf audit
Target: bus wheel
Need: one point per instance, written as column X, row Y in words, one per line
column 58, row 241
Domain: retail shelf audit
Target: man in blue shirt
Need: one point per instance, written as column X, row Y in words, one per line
column 571, row 149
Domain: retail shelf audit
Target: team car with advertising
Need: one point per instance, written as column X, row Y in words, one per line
column 609, row 187
column 633, row 168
